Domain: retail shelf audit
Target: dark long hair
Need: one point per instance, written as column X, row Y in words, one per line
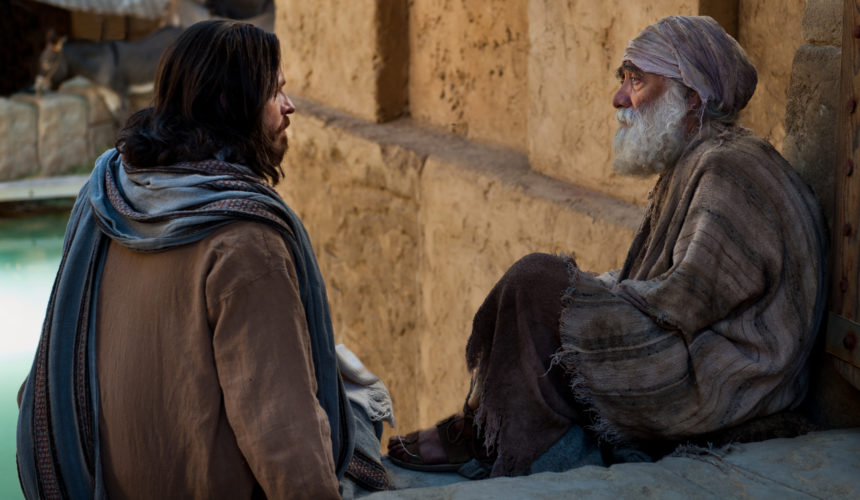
column 210, row 89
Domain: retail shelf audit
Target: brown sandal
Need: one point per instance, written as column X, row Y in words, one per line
column 460, row 441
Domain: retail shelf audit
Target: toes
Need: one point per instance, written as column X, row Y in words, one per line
column 400, row 448
column 399, row 444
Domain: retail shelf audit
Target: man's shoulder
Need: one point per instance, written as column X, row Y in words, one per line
column 744, row 161
column 732, row 149
column 247, row 239
column 736, row 144
column 241, row 253
column 242, row 229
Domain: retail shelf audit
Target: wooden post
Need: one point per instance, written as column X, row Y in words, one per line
column 844, row 322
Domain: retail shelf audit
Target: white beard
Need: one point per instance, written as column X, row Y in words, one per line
column 651, row 140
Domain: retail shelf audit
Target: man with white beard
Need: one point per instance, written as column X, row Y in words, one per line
column 649, row 141
column 708, row 325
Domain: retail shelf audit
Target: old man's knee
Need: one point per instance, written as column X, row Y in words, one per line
column 540, row 271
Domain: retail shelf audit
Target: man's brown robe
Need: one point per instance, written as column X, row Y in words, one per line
column 214, row 397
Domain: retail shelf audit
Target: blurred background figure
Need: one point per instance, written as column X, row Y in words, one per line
column 112, row 44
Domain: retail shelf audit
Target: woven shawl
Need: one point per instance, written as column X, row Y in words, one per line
column 146, row 210
column 713, row 316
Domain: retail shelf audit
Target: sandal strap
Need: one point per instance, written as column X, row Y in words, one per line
column 461, row 440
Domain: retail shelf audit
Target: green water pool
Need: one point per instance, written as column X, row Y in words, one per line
column 30, row 249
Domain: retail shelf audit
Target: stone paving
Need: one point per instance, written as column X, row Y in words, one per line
column 822, row 465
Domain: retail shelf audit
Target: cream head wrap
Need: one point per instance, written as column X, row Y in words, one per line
column 701, row 55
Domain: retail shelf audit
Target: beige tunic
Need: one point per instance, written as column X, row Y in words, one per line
column 205, row 374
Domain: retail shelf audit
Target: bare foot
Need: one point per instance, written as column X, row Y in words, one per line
column 423, row 446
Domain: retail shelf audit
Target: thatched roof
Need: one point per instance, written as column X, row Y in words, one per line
column 150, row 9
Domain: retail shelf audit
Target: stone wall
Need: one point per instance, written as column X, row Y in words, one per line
column 812, row 118
column 54, row 134
column 351, row 55
column 468, row 70
column 770, row 33
column 444, row 139
column 811, row 107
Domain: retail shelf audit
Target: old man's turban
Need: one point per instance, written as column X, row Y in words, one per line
column 700, row 54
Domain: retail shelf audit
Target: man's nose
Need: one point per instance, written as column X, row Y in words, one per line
column 287, row 107
column 621, row 99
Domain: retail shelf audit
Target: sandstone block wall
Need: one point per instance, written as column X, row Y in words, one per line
column 101, row 122
column 533, row 75
column 18, row 153
column 352, row 55
column 56, row 133
column 358, row 198
column 810, row 118
column 60, row 131
column 770, row 32
column 468, row 68
column 89, row 26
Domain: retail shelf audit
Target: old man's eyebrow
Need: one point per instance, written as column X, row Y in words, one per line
column 630, row 68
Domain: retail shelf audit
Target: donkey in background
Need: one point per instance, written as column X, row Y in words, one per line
column 116, row 67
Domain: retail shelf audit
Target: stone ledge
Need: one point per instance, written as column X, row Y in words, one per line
column 817, row 465
column 66, row 186
column 509, row 165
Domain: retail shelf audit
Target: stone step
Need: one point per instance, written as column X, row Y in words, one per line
column 817, row 465
column 66, row 186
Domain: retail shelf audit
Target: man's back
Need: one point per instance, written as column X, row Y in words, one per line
column 205, row 372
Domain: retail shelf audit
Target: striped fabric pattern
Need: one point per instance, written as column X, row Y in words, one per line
column 712, row 319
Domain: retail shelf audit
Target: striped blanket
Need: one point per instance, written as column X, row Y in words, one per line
column 713, row 316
